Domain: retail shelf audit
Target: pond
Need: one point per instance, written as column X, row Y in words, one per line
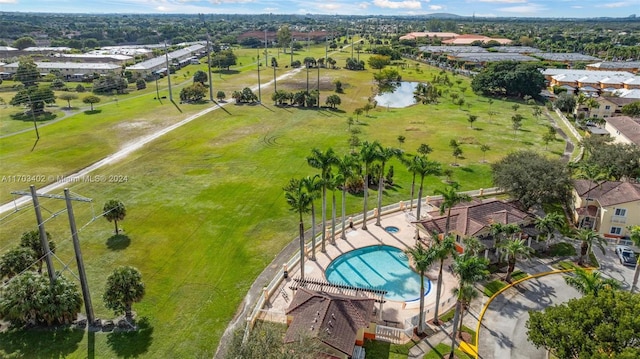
column 400, row 96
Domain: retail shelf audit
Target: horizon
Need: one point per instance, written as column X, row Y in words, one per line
column 550, row 9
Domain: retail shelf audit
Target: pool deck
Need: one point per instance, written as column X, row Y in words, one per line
column 394, row 312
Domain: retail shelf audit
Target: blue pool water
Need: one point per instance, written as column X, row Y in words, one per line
column 392, row 229
column 380, row 267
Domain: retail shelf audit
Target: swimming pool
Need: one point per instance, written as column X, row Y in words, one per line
column 392, row 229
column 380, row 267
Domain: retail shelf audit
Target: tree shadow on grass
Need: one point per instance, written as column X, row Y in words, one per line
column 92, row 112
column 27, row 116
column 40, row 343
column 118, row 242
column 131, row 344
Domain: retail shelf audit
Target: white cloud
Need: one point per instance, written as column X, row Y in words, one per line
column 8, row 1
column 329, row 6
column 505, row 1
column 436, row 7
column 407, row 4
column 363, row 5
column 577, row 7
column 614, row 5
column 530, row 9
column 219, row 2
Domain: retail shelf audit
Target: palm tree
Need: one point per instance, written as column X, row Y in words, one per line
column 590, row 282
column 332, row 183
column 311, row 185
column 115, row 211
column 368, row 154
column 346, row 171
column 384, row 155
column 323, row 161
column 513, row 250
column 473, row 245
column 124, row 287
column 635, row 237
column 470, row 270
column 424, row 168
column 549, row 223
column 422, row 259
column 588, row 238
column 299, row 201
column 441, row 251
column 450, row 198
column 465, row 295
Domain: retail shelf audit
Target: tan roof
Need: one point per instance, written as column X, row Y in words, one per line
column 609, row 193
column 333, row 318
column 440, row 35
column 627, row 126
column 618, row 101
column 469, row 219
column 470, row 38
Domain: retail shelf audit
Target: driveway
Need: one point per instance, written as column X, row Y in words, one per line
column 503, row 334
column 611, row 267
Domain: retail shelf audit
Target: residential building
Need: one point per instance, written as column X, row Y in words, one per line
column 468, row 39
column 474, row 219
column 623, row 129
column 609, row 106
column 592, row 83
column 608, row 208
column 72, row 71
column 178, row 58
column 431, row 35
column 628, row 66
column 340, row 322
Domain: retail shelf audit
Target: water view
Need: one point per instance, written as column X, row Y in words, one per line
column 400, row 95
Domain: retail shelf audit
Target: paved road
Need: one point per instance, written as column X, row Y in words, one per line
column 610, row 266
column 503, row 334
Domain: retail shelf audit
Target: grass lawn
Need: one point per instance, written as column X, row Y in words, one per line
column 562, row 249
column 205, row 206
column 383, row 350
column 493, row 287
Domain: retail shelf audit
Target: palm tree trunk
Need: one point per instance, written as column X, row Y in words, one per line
column 413, row 186
column 313, row 232
column 366, row 196
column 380, row 189
column 324, row 217
column 455, row 327
column 333, row 217
column 343, row 235
column 510, row 268
column 421, row 316
column 436, row 320
column 462, row 310
column 115, row 221
column 446, row 225
column 636, row 274
column 419, row 207
column 127, row 311
column 301, row 247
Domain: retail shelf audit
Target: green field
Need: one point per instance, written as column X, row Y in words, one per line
column 205, row 205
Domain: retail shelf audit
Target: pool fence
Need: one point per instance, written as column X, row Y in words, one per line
column 271, row 288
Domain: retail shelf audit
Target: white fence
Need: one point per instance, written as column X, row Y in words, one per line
column 270, row 289
column 393, row 335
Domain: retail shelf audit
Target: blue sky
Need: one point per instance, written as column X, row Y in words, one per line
column 491, row 8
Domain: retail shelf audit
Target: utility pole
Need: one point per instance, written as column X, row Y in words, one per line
column 44, row 241
column 259, row 92
column 76, row 246
column 166, row 57
column 209, row 66
column 291, row 63
column 318, row 87
column 74, row 235
column 266, row 52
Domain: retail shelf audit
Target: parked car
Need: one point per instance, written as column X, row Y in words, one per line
column 626, row 256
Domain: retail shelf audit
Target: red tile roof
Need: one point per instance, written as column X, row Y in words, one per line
column 609, row 193
column 333, row 318
column 468, row 219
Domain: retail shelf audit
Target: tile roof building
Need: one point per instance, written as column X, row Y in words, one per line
column 623, row 129
column 433, row 35
column 609, row 207
column 468, row 39
column 340, row 322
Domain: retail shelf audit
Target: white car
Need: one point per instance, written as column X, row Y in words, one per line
column 626, row 256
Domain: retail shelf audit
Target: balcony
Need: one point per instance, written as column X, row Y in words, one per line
column 619, row 219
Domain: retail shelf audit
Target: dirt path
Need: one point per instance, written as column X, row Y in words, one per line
column 125, row 151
